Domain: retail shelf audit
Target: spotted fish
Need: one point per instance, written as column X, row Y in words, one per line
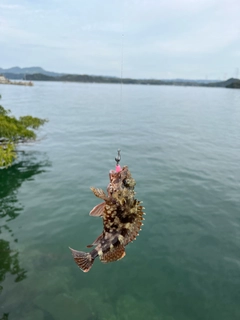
column 122, row 216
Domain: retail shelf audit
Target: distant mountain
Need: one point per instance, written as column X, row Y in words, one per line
column 30, row 70
column 39, row 74
column 234, row 85
column 188, row 80
column 41, row 77
column 230, row 83
column 90, row 79
column 13, row 76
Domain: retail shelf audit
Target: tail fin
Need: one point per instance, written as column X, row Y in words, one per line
column 83, row 260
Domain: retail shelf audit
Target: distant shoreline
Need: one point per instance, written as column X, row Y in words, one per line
column 230, row 83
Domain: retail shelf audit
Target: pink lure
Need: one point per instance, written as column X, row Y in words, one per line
column 118, row 168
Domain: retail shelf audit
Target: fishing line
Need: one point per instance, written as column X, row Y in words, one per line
column 121, row 73
column 118, row 158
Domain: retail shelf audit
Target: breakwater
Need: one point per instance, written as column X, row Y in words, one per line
column 4, row 80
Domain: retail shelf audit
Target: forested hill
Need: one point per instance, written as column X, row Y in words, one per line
column 92, row 79
column 230, row 83
column 39, row 74
column 19, row 73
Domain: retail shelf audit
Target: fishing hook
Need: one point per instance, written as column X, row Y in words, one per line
column 118, row 158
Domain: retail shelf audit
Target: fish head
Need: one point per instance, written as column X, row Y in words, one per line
column 120, row 180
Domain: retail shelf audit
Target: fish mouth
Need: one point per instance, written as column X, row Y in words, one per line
column 113, row 175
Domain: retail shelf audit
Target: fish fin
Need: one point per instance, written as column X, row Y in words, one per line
column 98, row 210
column 114, row 254
column 99, row 238
column 99, row 193
column 83, row 260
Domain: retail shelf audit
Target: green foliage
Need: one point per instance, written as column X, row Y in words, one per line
column 31, row 122
column 7, row 154
column 14, row 130
column 3, row 112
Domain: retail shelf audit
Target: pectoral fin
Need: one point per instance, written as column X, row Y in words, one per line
column 98, row 210
column 99, row 193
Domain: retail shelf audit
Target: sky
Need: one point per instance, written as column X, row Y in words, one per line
column 161, row 39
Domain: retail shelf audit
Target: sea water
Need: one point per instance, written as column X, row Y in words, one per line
column 181, row 145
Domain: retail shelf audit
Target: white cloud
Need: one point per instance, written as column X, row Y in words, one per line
column 149, row 10
column 10, row 32
column 209, row 39
column 218, row 30
column 10, row 6
column 89, row 33
column 102, row 27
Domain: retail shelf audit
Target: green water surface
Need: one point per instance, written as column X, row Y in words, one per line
column 182, row 146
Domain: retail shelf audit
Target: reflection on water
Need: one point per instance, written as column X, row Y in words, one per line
column 10, row 180
column 9, row 261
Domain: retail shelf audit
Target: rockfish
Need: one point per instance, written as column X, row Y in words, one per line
column 122, row 216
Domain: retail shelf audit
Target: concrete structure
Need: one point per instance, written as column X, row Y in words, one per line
column 4, row 80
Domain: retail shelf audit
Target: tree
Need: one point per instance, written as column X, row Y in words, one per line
column 14, row 131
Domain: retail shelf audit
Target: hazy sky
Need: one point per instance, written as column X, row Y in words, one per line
column 158, row 38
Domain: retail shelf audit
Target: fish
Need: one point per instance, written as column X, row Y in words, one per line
column 122, row 216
